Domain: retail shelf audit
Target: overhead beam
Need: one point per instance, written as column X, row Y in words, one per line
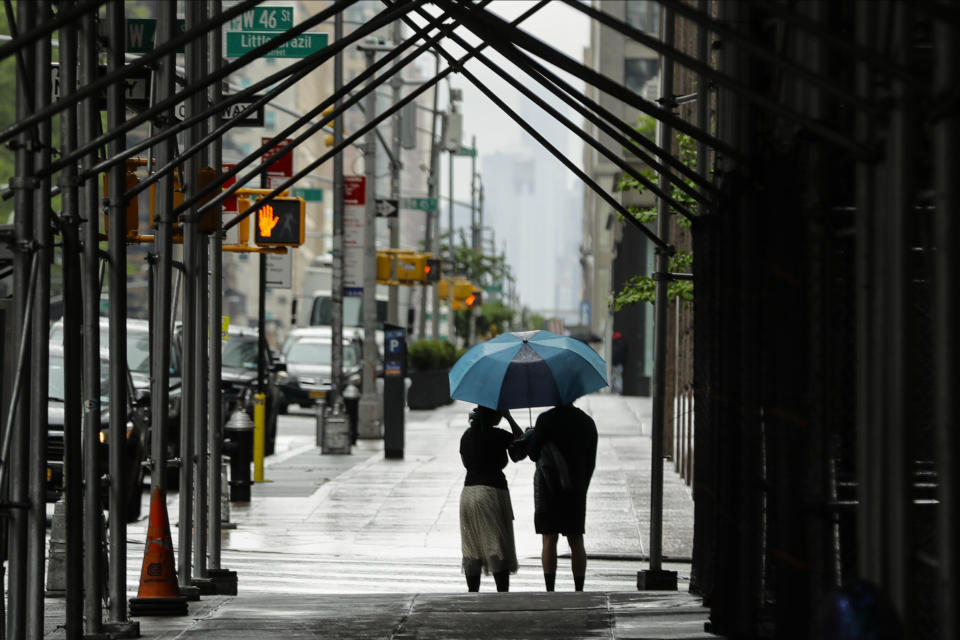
column 607, row 153
column 496, row 27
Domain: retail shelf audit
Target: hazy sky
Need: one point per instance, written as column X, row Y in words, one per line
column 558, row 25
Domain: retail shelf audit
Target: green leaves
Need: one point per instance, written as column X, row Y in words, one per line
column 642, row 288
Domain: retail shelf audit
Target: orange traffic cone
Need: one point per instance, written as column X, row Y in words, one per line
column 159, row 594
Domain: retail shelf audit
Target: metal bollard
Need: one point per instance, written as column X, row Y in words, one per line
column 321, row 414
column 239, row 431
column 225, row 499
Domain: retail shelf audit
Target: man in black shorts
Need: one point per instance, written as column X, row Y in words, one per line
column 564, row 445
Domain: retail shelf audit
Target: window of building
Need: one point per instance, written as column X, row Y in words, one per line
column 638, row 72
column 643, row 15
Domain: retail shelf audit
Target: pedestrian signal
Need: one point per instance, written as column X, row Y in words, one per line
column 280, row 223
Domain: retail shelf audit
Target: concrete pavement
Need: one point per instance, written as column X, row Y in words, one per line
column 359, row 546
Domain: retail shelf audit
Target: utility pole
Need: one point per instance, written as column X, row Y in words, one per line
column 451, row 325
column 368, row 407
column 433, row 221
column 474, row 235
column 393, row 224
column 336, row 286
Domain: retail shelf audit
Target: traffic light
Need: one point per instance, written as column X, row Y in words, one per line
column 433, row 269
column 280, row 223
column 474, row 299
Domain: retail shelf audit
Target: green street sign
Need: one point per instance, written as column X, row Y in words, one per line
column 264, row 19
column 308, row 194
column 243, row 42
column 141, row 34
column 467, row 151
column 421, row 204
column 495, row 288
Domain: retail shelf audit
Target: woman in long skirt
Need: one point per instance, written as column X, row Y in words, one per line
column 486, row 514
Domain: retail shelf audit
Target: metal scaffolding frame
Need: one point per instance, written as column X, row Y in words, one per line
column 825, row 193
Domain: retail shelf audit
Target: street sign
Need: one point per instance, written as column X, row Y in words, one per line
column 141, row 33
column 354, row 190
column 309, row 194
column 494, row 288
column 387, row 208
column 264, row 19
column 469, row 152
column 136, row 87
column 280, row 270
column 354, row 226
column 232, row 112
column 243, row 42
column 421, row 204
column 283, row 166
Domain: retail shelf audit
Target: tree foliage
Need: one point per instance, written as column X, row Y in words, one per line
column 641, row 288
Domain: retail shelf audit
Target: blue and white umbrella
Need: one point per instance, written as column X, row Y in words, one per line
column 527, row 369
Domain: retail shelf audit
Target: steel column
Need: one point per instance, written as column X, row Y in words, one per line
column 198, row 65
column 117, row 277
column 39, row 340
column 214, row 326
column 23, row 283
column 661, row 269
column 72, row 349
column 946, row 141
column 161, row 308
column 89, row 120
column 190, row 380
column 897, row 225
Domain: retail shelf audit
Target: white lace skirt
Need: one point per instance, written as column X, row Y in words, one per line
column 486, row 530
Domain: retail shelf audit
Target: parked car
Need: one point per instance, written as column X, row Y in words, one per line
column 239, row 380
column 308, row 355
column 135, row 438
column 309, row 359
column 138, row 365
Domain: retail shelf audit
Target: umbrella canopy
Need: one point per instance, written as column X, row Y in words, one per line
column 527, row 369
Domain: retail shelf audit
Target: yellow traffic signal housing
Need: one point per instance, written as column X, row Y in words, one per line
column 384, row 266
column 208, row 222
column 243, row 226
column 410, row 267
column 280, row 223
column 133, row 207
column 462, row 289
column 401, row 266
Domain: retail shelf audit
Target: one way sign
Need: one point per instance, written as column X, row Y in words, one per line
column 387, row 208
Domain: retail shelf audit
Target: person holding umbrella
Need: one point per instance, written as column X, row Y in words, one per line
column 564, row 445
column 542, row 369
column 486, row 513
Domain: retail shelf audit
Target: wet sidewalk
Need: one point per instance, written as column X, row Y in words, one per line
column 359, row 546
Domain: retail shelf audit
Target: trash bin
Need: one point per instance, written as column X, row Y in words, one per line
column 238, row 444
